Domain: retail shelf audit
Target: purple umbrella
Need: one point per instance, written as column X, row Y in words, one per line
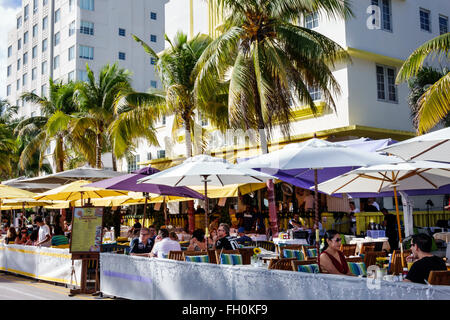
column 129, row 182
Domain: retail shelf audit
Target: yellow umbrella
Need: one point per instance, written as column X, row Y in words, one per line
column 231, row 190
column 7, row 192
column 76, row 191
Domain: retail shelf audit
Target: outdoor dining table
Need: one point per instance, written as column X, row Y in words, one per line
column 258, row 237
column 290, row 241
column 360, row 241
column 445, row 236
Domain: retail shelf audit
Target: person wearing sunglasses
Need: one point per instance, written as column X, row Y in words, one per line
column 332, row 259
column 22, row 237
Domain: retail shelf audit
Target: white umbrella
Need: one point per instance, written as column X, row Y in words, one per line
column 315, row 154
column 204, row 170
column 434, row 146
column 409, row 175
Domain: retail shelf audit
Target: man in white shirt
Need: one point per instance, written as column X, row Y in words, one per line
column 44, row 237
column 164, row 244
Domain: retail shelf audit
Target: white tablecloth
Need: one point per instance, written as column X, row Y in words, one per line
column 258, row 237
column 360, row 241
column 290, row 241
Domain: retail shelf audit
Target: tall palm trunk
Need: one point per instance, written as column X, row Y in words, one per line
column 98, row 151
column 114, row 161
column 60, row 159
column 188, row 143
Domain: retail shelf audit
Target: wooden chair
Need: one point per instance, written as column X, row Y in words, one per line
column 440, row 278
column 281, row 264
column 348, row 249
column 212, row 256
column 370, row 258
column 396, row 262
column 176, row 255
column 296, row 263
column 268, row 245
column 367, row 247
column 220, row 251
column 355, row 259
column 289, row 247
column 195, row 253
column 305, row 252
column 247, row 254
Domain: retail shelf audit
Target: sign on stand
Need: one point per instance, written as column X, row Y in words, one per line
column 85, row 245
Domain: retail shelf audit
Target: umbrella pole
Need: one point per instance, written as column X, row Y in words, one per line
column 205, row 177
column 165, row 211
column 399, row 226
column 316, row 205
column 145, row 210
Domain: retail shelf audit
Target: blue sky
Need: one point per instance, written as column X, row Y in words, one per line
column 8, row 11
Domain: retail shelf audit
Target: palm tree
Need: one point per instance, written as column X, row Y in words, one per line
column 270, row 63
column 95, row 100
column 39, row 131
column 434, row 104
column 176, row 69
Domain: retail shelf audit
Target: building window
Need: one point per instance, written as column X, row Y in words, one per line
column 122, row 32
column 35, row 6
column 44, row 90
column 57, row 15
column 24, row 79
column 87, row 27
column 87, row 4
column 152, row 61
column 386, row 13
column 18, row 84
column 44, row 23
column 386, row 88
column 153, row 38
column 71, row 54
column 8, row 71
column 203, row 121
column 25, row 58
column 312, row 20
column 9, row 51
column 18, row 64
column 72, row 28
column 44, row 2
column 443, row 24
column 70, row 5
column 163, row 120
column 425, row 22
column 315, row 93
column 71, row 76
column 33, row 74
column 161, row 154
column 26, row 11
column 82, row 75
column 34, row 52
column 35, row 30
column 121, row 55
column 56, row 62
column 86, row 52
column 132, row 163
column 153, row 15
column 153, row 84
column 44, row 45
column 149, row 156
column 25, row 37
column 57, row 38
column 19, row 22
column 19, row 44
column 44, row 67
column 8, row 90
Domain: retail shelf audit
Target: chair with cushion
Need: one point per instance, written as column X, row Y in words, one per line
column 281, row 249
column 370, row 258
column 367, row 247
column 291, row 253
column 441, row 278
column 231, row 257
column 176, row 255
column 348, row 249
column 357, row 268
column 309, row 266
column 196, row 256
column 309, row 252
column 212, row 256
column 281, row 264
column 396, row 261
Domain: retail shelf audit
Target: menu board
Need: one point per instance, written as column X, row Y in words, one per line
column 86, row 230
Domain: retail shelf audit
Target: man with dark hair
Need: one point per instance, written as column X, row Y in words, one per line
column 390, row 222
column 143, row 245
column 421, row 249
column 45, row 237
column 223, row 240
column 163, row 245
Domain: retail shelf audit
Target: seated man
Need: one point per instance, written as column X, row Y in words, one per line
column 143, row 245
column 223, row 240
column 295, row 223
column 421, row 250
column 242, row 236
column 164, row 244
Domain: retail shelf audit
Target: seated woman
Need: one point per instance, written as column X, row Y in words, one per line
column 332, row 260
column 22, row 237
column 197, row 242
